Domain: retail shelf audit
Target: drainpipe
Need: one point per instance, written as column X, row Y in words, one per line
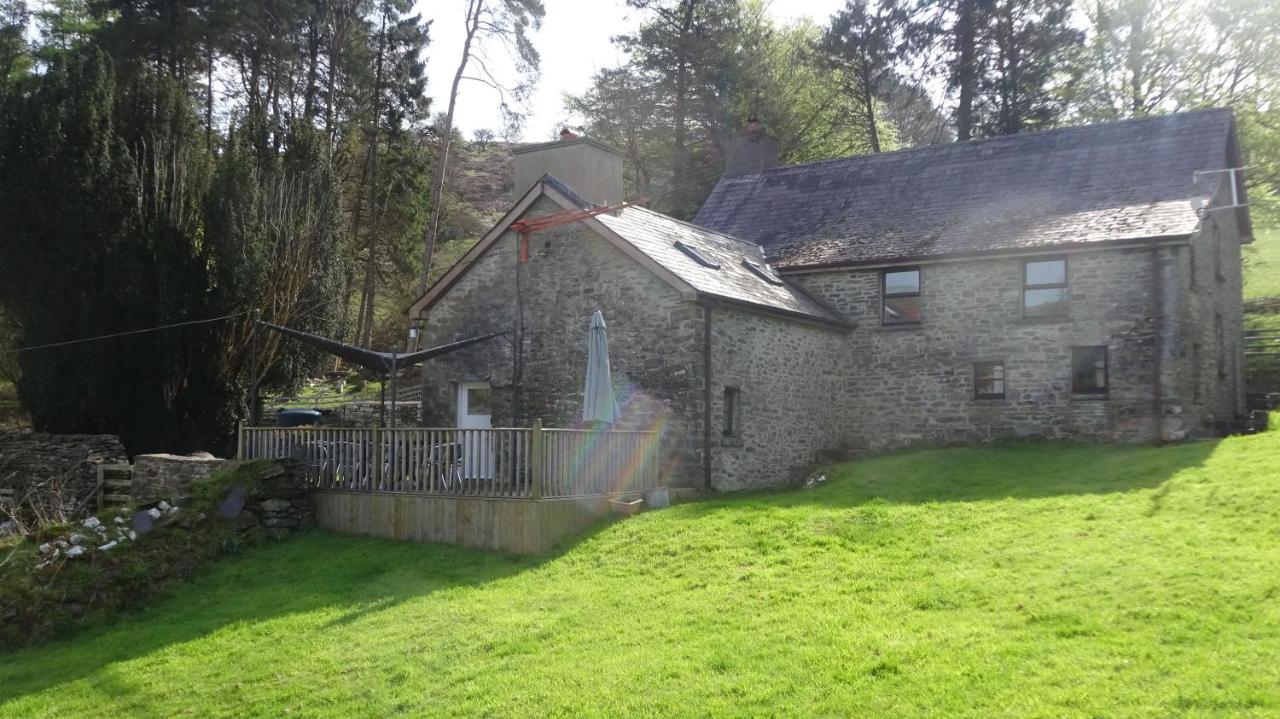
column 1157, row 382
column 706, row 396
column 517, row 354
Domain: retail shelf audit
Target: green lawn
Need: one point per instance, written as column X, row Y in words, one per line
column 1262, row 264
column 1032, row 580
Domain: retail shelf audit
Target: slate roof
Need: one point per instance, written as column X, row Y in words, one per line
column 1117, row 181
column 656, row 235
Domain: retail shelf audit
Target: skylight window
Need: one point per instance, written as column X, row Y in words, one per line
column 697, row 256
column 764, row 272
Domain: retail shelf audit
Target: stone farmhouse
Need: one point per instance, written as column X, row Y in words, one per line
column 1080, row 283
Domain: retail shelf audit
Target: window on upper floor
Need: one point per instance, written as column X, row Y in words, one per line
column 988, row 380
column 900, row 293
column 1089, row 370
column 1044, row 288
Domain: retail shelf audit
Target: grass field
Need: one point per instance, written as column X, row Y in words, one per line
column 1262, row 264
column 1035, row 580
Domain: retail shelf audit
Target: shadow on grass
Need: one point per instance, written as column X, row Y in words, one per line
column 358, row 576
column 985, row 473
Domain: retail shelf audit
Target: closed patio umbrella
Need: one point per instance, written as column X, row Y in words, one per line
column 598, row 402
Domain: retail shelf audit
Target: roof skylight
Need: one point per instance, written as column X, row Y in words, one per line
column 764, row 272
column 697, row 255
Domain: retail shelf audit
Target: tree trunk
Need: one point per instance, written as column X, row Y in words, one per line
column 357, row 215
column 1137, row 47
column 965, row 72
column 313, row 59
column 208, row 96
column 474, row 8
column 869, row 109
column 370, row 264
column 680, row 108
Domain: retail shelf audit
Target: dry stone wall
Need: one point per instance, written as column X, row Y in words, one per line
column 68, row 460
column 169, row 476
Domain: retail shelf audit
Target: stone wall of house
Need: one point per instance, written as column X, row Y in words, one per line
column 654, row 340
column 806, row 388
column 69, row 460
column 1211, row 385
column 914, row 384
column 170, row 476
column 785, row 374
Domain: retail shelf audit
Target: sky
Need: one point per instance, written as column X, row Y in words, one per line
column 574, row 44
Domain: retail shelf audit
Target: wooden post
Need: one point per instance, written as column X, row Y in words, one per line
column 376, row 477
column 100, row 488
column 536, row 460
column 240, row 440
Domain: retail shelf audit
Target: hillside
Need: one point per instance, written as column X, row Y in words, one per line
column 1262, row 265
column 1029, row 580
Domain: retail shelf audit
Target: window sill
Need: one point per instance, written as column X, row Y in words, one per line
column 1089, row 397
column 1044, row 320
column 991, row 400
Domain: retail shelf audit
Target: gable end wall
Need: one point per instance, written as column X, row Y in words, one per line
column 654, row 340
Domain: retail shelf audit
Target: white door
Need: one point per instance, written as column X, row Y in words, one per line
column 475, row 406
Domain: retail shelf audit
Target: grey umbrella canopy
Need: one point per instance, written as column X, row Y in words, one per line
column 598, row 402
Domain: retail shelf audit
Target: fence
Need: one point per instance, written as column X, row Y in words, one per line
column 1262, row 362
column 524, row 463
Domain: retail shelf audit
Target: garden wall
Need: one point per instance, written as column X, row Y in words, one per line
column 69, row 459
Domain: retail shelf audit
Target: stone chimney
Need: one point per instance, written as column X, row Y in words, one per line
column 751, row 152
column 589, row 167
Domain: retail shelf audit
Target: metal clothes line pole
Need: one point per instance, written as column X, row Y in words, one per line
column 394, row 371
column 253, row 368
column 382, row 402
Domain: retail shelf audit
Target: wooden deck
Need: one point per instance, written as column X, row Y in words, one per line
column 521, row 526
column 514, row 489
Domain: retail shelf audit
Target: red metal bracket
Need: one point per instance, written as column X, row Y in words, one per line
column 524, row 228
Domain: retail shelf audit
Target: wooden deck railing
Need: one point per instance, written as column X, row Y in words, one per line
column 528, row 463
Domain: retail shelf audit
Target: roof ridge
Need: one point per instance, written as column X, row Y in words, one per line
column 976, row 141
column 697, row 227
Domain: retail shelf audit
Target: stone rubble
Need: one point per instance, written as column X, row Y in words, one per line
column 106, row 536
